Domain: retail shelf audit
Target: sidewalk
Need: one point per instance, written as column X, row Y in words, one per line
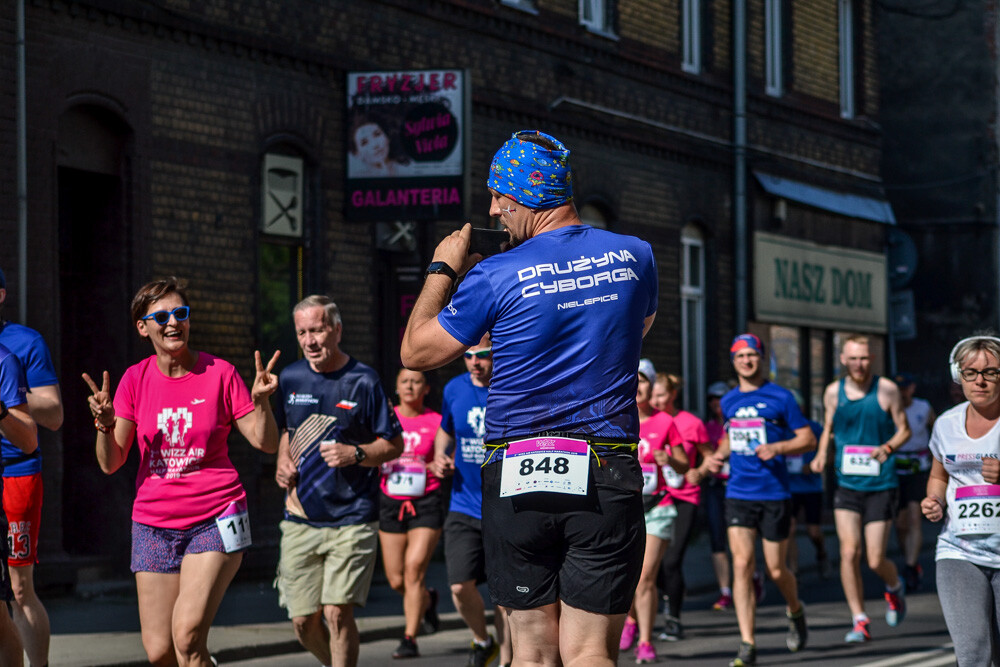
column 100, row 624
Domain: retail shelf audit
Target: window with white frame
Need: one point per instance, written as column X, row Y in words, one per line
column 773, row 56
column 693, row 318
column 691, row 36
column 846, row 23
column 598, row 16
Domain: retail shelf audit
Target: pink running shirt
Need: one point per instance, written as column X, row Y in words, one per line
column 693, row 431
column 654, row 434
column 418, row 441
column 185, row 475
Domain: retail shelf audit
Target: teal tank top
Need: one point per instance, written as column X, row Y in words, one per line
column 862, row 423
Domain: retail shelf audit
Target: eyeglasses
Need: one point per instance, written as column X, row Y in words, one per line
column 989, row 374
column 479, row 354
column 161, row 317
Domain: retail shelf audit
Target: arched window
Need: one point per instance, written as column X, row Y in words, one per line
column 283, row 230
column 693, row 318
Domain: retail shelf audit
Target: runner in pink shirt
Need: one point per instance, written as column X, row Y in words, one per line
column 661, row 454
column 685, row 490
column 189, row 520
column 411, row 512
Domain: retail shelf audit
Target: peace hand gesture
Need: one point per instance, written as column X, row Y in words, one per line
column 100, row 401
column 265, row 383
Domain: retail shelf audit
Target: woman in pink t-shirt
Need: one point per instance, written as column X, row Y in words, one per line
column 660, row 449
column 685, row 491
column 411, row 511
column 189, row 519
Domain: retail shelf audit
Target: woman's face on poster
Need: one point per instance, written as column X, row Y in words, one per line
column 372, row 144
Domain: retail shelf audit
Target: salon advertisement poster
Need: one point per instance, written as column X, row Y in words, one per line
column 405, row 145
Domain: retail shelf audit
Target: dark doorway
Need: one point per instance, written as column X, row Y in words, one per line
column 94, row 298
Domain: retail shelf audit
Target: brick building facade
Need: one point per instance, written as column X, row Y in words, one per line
column 147, row 125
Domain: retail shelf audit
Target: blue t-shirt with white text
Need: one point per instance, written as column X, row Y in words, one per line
column 463, row 413
column 565, row 310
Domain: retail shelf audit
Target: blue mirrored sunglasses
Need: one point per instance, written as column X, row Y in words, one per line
column 479, row 354
column 161, row 317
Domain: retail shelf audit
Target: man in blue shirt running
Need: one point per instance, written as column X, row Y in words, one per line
column 23, row 490
column 764, row 425
column 18, row 430
column 566, row 307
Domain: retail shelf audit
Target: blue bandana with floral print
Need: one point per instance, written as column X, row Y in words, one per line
column 530, row 174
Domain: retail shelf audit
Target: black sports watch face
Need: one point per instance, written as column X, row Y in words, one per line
column 442, row 267
column 359, row 454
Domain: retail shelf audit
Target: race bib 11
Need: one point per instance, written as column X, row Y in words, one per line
column 234, row 527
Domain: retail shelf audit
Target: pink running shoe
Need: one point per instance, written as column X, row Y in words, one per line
column 724, row 603
column 645, row 653
column 628, row 634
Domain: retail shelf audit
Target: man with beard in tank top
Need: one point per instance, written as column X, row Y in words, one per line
column 864, row 416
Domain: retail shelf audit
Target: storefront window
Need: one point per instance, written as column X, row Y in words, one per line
column 817, row 375
column 784, row 358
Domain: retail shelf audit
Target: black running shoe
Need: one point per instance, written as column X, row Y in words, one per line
column 798, row 632
column 407, row 649
column 482, row 656
column 432, row 622
column 746, row 657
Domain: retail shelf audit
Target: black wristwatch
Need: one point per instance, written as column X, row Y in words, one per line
column 359, row 454
column 441, row 267
column 3, row 411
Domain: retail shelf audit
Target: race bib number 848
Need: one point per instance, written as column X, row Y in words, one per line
column 557, row 465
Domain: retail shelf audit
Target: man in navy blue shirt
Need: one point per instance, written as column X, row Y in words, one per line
column 566, row 307
column 337, row 427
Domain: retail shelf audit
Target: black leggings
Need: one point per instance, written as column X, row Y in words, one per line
column 671, row 579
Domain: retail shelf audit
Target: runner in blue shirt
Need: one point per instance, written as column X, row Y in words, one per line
column 764, row 425
column 23, row 491
column 566, row 307
column 17, row 430
column 459, row 452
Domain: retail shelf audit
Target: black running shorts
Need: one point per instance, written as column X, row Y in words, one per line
column 771, row 518
column 586, row 551
column 871, row 505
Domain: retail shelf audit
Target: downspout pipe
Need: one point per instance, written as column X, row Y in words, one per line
column 740, row 250
column 22, row 172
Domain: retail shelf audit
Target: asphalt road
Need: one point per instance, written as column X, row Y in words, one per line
column 712, row 639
